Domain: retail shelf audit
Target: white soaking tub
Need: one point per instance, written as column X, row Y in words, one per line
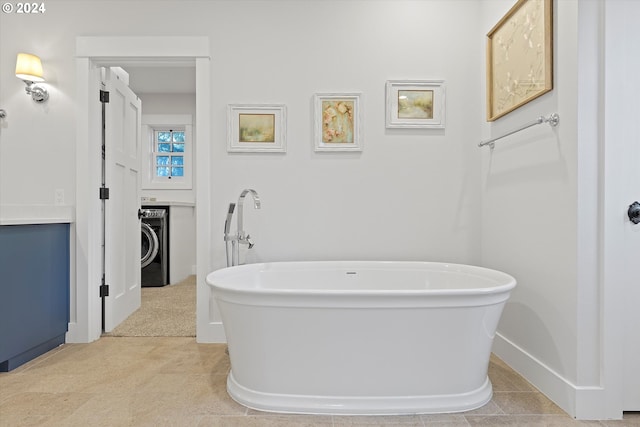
column 360, row 337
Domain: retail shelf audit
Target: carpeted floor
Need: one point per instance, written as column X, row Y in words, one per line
column 169, row 311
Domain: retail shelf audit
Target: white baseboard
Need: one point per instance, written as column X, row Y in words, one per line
column 580, row 402
column 72, row 335
column 77, row 334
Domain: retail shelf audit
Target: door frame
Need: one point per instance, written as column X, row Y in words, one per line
column 85, row 304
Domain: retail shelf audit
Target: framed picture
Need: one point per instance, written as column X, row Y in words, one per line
column 415, row 104
column 337, row 122
column 519, row 57
column 256, row 128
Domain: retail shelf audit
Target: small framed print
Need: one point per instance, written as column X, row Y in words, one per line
column 256, row 128
column 415, row 104
column 337, row 122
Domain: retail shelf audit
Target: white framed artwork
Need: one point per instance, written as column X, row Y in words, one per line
column 415, row 104
column 256, row 128
column 337, row 119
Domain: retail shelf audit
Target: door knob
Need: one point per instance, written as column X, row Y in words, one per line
column 634, row 212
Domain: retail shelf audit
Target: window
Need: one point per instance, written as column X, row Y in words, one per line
column 168, row 153
column 169, row 157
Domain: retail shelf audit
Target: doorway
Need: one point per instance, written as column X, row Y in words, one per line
column 167, row 296
column 92, row 52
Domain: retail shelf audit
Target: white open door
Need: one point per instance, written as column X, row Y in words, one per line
column 122, row 225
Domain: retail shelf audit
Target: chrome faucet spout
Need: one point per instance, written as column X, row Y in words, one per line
column 256, row 205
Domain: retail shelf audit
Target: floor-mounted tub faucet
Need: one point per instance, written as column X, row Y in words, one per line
column 240, row 237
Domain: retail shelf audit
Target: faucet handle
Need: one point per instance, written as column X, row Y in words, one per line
column 249, row 241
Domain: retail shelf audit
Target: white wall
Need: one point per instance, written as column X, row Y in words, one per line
column 540, row 218
column 37, row 143
column 411, row 194
column 529, row 218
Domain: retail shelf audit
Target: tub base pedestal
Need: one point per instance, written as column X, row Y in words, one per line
column 358, row 405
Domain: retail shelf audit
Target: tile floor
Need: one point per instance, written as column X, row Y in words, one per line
column 176, row 382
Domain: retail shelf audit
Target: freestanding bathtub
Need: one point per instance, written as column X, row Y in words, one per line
column 360, row 337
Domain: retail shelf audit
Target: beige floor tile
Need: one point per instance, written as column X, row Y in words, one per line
column 378, row 420
column 525, row 403
column 528, row 421
column 103, row 410
column 175, row 381
column 207, row 395
column 18, row 420
column 629, row 419
column 280, row 420
column 150, row 406
column 445, row 420
column 196, row 360
column 42, row 405
column 490, row 408
column 181, row 421
column 12, row 383
column 503, row 378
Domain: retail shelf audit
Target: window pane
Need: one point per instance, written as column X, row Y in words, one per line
column 177, row 160
column 178, row 148
column 178, row 137
column 162, row 160
column 164, row 148
column 164, row 136
column 162, row 171
column 177, row 171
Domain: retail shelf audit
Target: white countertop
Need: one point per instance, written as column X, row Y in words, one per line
column 52, row 214
column 167, row 203
column 36, row 214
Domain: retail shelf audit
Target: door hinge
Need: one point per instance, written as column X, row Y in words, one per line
column 104, row 193
column 104, row 289
column 104, row 96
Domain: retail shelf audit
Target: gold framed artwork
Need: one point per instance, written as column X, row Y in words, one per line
column 337, row 122
column 256, row 128
column 519, row 57
column 415, row 104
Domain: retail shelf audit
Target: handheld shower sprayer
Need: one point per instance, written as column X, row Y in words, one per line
column 227, row 223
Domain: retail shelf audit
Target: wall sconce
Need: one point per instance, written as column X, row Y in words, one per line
column 29, row 69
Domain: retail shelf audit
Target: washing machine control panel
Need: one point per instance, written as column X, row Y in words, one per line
column 153, row 213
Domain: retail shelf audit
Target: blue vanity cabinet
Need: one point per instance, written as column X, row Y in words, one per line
column 34, row 291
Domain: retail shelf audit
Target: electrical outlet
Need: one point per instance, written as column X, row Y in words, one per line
column 59, row 197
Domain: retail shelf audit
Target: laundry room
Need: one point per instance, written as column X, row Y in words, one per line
column 167, row 188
